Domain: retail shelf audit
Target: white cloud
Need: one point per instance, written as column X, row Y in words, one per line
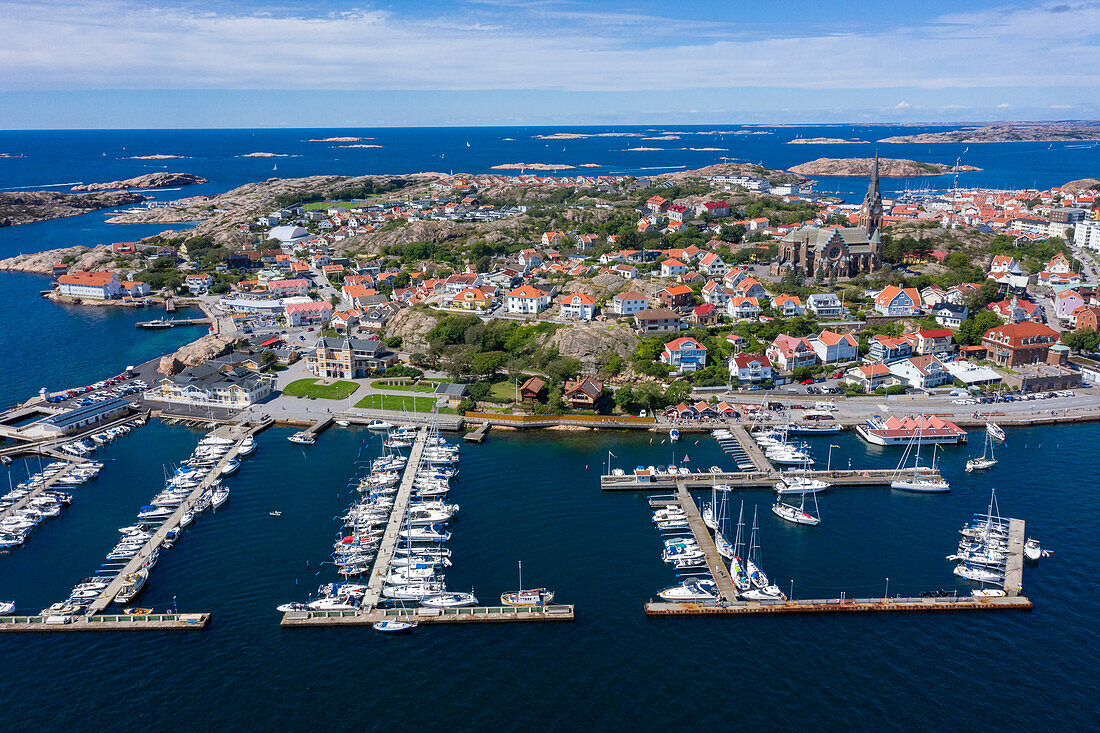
column 1003, row 105
column 902, row 105
column 111, row 44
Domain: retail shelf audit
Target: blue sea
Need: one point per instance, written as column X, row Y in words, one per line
column 536, row 498
column 58, row 159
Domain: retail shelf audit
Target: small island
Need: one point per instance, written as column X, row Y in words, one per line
column 888, row 167
column 157, row 156
column 531, row 167
column 149, row 180
column 265, row 155
column 585, row 135
column 359, row 145
column 340, row 139
column 27, row 207
column 823, row 141
column 1007, row 133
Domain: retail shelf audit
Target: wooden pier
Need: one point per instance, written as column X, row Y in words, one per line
column 478, row 435
column 1014, row 565
column 703, row 537
column 750, row 447
column 841, row 605
column 381, row 567
column 471, row 614
column 753, row 480
column 135, row 622
column 238, row 433
column 319, row 427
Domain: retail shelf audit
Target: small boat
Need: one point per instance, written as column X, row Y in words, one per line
column 988, row 593
column 673, row 435
column 287, row 607
column 378, row 425
column 275, row 513
column 131, row 586
column 767, row 593
column 530, row 597
column 800, row 486
column 394, row 626
column 302, row 438
column 138, row 611
column 995, row 431
column 343, row 423
column 1032, row 550
column 6, row 607
column 219, row 497
column 796, row 514
column 449, row 600
column 692, row 589
column 986, row 459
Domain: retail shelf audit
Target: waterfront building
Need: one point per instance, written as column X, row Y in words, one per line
column 1019, row 343
column 582, row 393
column 77, row 419
column 213, row 385
column 198, row 283
column 93, row 285
column 533, row 390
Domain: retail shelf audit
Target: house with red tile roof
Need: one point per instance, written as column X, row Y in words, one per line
column 1019, row 343
column 832, row 347
column 750, row 368
column 93, row 285
column 578, row 307
column 684, row 354
column 526, row 299
column 739, row 306
column 870, row 376
column 790, row 352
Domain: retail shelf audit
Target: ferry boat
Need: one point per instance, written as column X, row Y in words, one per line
column 926, row 429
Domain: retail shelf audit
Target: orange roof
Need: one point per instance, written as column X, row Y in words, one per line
column 677, row 290
column 580, row 299
column 526, row 291
column 94, row 279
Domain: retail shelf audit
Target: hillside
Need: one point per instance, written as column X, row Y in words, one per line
column 26, row 207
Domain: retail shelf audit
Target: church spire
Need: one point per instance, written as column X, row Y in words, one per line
column 872, row 188
column 870, row 214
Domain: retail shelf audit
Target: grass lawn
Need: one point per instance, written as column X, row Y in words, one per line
column 325, row 204
column 306, row 388
column 400, row 402
column 503, row 391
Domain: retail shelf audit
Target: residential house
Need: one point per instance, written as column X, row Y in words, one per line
column 1018, row 310
column 92, row 285
column 750, row 368
column 675, row 296
column 625, row 270
column 832, row 347
column 921, row 372
column 348, row 358
column 787, row 306
column 895, row 301
column 461, row 281
column 134, row 288
column 932, row 341
column 578, row 307
column 713, row 265
column 869, row 376
column 678, row 213
column 526, row 299
column 950, row 315
column 684, row 354
column 470, row 299
column 553, row 239
column 533, row 390
column 791, row 352
column 1087, row 317
column 887, row 349
column 672, row 267
column 657, row 204
column 287, row 288
column 716, row 209
column 628, row 303
column 583, row 393
column 657, row 320
column 750, row 288
column 345, row 319
column 530, row 258
column 715, row 293
column 705, row 315
column 1065, row 303
column 825, row 305
column 740, row 306
column 198, row 283
column 1019, row 343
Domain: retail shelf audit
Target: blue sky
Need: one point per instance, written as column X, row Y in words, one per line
column 135, row 63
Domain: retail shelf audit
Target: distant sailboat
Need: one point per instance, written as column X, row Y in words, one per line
column 467, row 143
column 275, row 167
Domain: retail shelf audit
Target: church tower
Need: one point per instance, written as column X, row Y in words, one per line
column 870, row 214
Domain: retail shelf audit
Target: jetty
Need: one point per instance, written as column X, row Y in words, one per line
column 705, row 540
column 478, row 435
column 1014, row 564
column 237, row 433
column 840, row 605
column 47, row 484
column 647, row 481
column 471, row 614
column 123, row 622
column 319, row 427
column 750, row 448
column 389, row 540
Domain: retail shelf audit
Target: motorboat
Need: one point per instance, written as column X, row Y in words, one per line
column 995, row 431
column 692, row 589
column 767, row 593
column 219, row 497
column 978, row 574
column 799, row 485
column 275, row 513
column 230, row 466
column 673, row 435
column 412, row 591
column 1032, row 550
column 131, row 586
column 988, row 593
column 332, row 604
column 302, row 438
column 6, row 607
column 449, row 600
column 424, row 534
column 247, row 447
column 378, row 425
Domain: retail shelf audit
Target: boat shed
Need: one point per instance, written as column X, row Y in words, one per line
column 80, row 418
column 452, row 391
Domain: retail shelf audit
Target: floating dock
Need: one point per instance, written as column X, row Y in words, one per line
column 471, row 614
column 703, row 537
column 135, row 622
column 840, row 605
column 1014, row 565
column 478, row 435
column 381, row 566
column 750, row 448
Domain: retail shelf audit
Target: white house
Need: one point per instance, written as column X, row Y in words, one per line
column 672, row 267
column 713, row 265
column 715, row 293
column 788, row 306
column 628, row 303
column 578, row 307
column 199, row 283
column 825, row 305
column 750, row 368
column 741, row 307
column 526, row 299
column 832, row 347
column 685, row 354
column 921, row 372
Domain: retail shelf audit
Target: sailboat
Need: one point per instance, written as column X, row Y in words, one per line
column 918, row 482
column 995, row 431
column 529, row 597
column 761, row 589
column 797, row 514
column 397, row 625
column 737, row 567
column 986, row 460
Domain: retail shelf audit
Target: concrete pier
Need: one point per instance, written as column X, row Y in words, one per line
column 382, row 560
column 123, row 622
column 1014, row 566
column 472, row 614
column 703, row 537
column 478, row 435
column 752, row 480
column 840, row 605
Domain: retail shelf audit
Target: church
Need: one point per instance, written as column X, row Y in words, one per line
column 840, row 252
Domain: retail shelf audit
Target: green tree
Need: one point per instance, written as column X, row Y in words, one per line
column 975, row 326
column 677, row 392
column 488, row 363
column 625, row 398
column 1083, row 340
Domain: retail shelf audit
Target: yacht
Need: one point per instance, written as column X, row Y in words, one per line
column 530, row 597
column 378, row 425
column 986, row 459
column 995, row 431
column 796, row 514
column 394, row 626
column 131, row 586
column 449, row 600
column 6, row 607
column 247, row 447
column 921, row 480
column 1032, row 550
column 692, row 589
column 979, row 574
column 799, row 485
column 302, row 438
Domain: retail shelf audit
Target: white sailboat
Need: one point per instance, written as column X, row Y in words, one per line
column 920, row 481
column 986, row 459
column 761, row 589
column 797, row 514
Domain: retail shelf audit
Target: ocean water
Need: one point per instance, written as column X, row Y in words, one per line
column 535, row 497
column 58, row 159
column 62, row 346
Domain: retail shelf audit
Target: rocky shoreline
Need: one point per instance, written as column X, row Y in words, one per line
column 888, row 167
column 1006, row 133
column 27, row 207
column 149, row 180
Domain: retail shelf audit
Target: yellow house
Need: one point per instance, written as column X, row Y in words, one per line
column 473, row 299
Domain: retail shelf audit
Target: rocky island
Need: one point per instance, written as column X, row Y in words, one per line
column 149, row 180
column 888, row 167
column 1007, row 133
column 26, row 207
column 823, row 141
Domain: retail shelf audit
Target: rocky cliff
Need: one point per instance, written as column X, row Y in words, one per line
column 197, row 352
column 85, row 258
column 593, row 342
column 412, row 326
column 26, row 207
column 149, row 180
